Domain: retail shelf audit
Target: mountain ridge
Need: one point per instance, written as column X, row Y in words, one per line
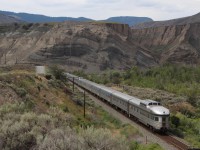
column 4, row 19
column 179, row 21
column 37, row 18
column 130, row 20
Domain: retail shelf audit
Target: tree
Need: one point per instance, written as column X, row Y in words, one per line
column 175, row 121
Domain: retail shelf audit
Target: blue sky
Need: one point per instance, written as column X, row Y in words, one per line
column 102, row 9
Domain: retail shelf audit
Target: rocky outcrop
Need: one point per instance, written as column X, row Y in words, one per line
column 120, row 28
column 174, row 44
column 95, row 46
column 90, row 46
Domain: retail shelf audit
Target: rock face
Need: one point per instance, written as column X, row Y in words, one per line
column 120, row 28
column 95, row 46
column 173, row 44
column 173, row 41
column 90, row 46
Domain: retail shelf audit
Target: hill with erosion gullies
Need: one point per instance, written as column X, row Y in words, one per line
column 91, row 46
column 101, row 46
column 174, row 41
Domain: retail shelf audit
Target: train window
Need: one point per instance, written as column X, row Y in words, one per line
column 156, row 118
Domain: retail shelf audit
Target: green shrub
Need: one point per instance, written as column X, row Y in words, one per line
column 175, row 121
column 58, row 73
column 102, row 139
column 129, row 130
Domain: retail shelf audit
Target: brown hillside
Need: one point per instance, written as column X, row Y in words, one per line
column 89, row 46
column 95, row 47
column 174, row 44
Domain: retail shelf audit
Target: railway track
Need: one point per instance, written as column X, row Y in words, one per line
column 168, row 138
column 171, row 140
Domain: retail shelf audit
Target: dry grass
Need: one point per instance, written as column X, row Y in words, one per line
column 39, row 97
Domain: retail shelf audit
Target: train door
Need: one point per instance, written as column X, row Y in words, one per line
column 165, row 121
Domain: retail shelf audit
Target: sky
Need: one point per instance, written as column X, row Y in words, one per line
column 103, row 9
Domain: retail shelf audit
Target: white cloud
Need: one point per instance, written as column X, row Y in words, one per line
column 101, row 9
column 59, row 2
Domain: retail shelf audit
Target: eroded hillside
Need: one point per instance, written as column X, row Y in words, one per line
column 95, row 46
column 177, row 44
column 90, row 46
column 173, row 41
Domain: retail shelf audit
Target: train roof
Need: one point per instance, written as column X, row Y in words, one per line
column 135, row 101
column 71, row 75
column 159, row 110
column 110, row 90
column 123, row 95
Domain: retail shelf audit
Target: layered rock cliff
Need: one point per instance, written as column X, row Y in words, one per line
column 173, row 44
column 95, row 46
column 89, row 46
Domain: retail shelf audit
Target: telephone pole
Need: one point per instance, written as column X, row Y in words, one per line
column 73, row 84
column 5, row 57
column 84, row 104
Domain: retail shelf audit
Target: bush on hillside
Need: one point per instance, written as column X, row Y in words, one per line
column 24, row 130
column 58, row 73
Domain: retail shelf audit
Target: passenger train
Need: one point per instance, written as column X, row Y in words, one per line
column 148, row 112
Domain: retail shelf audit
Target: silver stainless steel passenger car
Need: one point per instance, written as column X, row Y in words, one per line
column 148, row 112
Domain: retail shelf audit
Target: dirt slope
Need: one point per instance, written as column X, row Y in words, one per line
column 89, row 46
